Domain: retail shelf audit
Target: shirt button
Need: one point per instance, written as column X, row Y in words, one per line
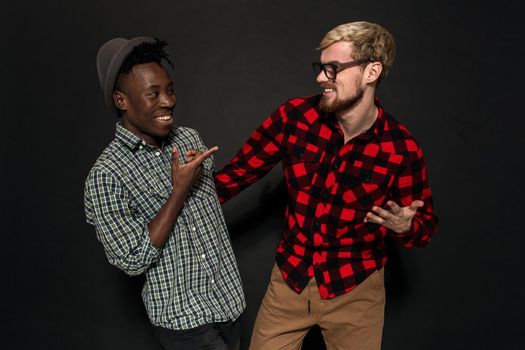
column 324, row 195
column 194, row 229
column 203, row 256
column 140, row 147
column 336, row 165
column 157, row 153
column 317, row 224
column 212, row 281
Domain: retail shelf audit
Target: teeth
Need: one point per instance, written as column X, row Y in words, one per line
column 328, row 90
column 163, row 117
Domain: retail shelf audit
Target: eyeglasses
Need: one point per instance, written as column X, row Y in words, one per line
column 331, row 69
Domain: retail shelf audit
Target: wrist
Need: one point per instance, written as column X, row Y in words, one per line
column 405, row 229
column 179, row 193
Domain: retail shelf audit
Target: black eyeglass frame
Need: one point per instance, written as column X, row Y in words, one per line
column 337, row 67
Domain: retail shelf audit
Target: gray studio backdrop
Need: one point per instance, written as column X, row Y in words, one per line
column 454, row 84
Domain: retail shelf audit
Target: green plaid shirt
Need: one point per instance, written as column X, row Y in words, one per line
column 193, row 279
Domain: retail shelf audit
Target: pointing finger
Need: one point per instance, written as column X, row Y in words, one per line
column 206, row 154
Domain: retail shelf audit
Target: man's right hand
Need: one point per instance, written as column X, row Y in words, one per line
column 183, row 176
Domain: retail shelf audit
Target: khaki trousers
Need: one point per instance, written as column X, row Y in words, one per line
column 352, row 321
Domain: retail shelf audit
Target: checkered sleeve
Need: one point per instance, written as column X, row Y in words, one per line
column 259, row 154
column 412, row 184
column 121, row 230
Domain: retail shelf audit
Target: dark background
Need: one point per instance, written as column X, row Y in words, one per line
column 456, row 84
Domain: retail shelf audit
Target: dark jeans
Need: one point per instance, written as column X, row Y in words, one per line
column 214, row 336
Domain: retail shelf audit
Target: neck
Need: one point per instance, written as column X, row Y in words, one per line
column 150, row 140
column 357, row 119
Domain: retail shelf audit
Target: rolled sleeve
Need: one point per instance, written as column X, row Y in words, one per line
column 121, row 230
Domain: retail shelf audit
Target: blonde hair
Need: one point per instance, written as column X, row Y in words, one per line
column 369, row 40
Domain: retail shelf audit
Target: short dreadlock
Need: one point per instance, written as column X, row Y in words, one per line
column 143, row 53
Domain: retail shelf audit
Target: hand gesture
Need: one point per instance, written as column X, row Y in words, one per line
column 192, row 154
column 183, row 176
column 397, row 219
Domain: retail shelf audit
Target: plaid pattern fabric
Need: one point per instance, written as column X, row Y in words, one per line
column 193, row 279
column 331, row 186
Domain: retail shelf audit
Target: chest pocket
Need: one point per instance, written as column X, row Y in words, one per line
column 364, row 184
column 302, row 165
column 147, row 193
column 204, row 188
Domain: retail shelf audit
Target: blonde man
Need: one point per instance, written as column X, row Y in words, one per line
column 355, row 178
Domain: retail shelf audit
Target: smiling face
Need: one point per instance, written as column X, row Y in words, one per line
column 146, row 99
column 347, row 89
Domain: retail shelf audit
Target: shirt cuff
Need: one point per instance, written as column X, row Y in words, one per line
column 151, row 253
column 409, row 235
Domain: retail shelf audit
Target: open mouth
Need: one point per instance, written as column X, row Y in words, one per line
column 166, row 118
column 328, row 89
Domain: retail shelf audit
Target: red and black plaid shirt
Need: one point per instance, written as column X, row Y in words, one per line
column 331, row 186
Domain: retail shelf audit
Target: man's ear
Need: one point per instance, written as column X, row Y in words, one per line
column 119, row 100
column 373, row 71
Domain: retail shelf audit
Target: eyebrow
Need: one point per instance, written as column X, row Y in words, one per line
column 156, row 86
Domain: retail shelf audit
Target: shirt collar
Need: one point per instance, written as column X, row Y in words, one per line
column 374, row 132
column 128, row 138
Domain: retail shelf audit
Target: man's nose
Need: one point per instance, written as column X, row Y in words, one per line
column 168, row 100
column 321, row 77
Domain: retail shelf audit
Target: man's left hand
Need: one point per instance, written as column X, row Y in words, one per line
column 397, row 219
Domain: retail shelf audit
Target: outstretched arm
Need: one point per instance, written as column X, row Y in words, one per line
column 259, row 154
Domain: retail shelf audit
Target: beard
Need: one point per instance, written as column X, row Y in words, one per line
column 339, row 105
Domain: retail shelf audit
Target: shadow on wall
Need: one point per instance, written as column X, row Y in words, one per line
column 266, row 206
